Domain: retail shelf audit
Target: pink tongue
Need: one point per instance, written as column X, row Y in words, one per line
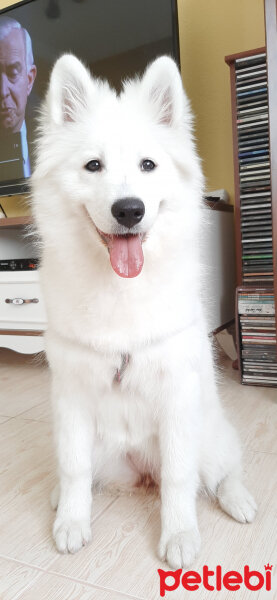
column 126, row 255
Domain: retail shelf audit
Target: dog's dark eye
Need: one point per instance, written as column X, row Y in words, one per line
column 147, row 165
column 93, row 165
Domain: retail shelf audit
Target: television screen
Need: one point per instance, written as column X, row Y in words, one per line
column 115, row 38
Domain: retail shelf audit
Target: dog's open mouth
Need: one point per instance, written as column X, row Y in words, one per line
column 126, row 253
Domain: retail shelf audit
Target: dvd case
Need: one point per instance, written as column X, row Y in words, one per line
column 256, row 336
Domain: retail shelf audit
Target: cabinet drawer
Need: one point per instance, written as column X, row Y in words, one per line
column 18, row 314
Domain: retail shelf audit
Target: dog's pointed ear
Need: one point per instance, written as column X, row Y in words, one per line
column 69, row 90
column 162, row 88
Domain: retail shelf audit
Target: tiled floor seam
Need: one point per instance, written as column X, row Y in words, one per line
column 95, row 586
column 101, row 512
column 30, row 408
column 22, row 418
column 263, row 452
column 24, row 563
column 48, row 571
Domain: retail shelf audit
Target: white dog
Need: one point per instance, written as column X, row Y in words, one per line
column 117, row 200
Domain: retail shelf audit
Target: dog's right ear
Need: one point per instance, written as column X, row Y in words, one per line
column 69, row 90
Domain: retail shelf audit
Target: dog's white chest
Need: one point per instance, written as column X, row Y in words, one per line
column 124, row 415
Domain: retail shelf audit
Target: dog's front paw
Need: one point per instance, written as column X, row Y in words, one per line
column 180, row 549
column 71, row 536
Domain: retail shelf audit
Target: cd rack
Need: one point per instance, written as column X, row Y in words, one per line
column 255, row 306
column 253, row 213
column 254, row 170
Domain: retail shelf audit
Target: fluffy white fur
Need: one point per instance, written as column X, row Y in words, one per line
column 165, row 417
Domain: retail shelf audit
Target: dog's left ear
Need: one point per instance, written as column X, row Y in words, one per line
column 163, row 90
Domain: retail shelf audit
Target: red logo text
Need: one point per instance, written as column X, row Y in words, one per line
column 215, row 580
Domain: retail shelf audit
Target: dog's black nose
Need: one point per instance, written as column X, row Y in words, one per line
column 128, row 211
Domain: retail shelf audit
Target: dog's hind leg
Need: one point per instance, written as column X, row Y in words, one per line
column 235, row 499
column 220, row 462
column 222, row 474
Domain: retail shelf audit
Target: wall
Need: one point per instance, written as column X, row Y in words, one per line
column 5, row 3
column 210, row 30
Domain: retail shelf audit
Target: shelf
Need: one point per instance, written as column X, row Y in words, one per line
column 219, row 205
column 21, row 332
column 15, row 222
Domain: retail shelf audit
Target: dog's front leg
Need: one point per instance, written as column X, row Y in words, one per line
column 180, row 539
column 73, row 432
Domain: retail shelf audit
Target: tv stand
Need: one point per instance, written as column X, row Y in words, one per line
column 21, row 323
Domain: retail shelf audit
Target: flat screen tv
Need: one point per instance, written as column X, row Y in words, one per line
column 115, row 39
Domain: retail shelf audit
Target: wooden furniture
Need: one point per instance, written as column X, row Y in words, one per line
column 271, row 44
column 14, row 222
column 241, row 165
column 22, row 312
column 253, row 78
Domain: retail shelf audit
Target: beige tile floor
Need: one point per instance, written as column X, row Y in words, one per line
column 121, row 561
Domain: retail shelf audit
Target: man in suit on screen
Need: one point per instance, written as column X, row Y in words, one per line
column 17, row 76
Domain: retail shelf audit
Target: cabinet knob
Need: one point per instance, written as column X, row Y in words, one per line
column 21, row 300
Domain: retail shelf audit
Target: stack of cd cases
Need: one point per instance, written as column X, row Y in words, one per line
column 254, row 169
column 255, row 308
column 256, row 332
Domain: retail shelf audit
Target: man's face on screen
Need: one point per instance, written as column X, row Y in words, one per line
column 16, row 81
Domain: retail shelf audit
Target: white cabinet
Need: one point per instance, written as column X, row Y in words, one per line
column 21, row 302
column 22, row 311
